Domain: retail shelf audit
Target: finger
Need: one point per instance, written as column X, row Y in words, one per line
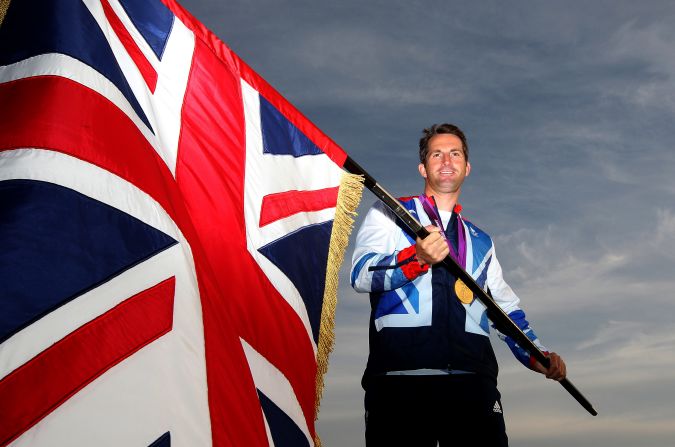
column 558, row 370
column 433, row 236
column 554, row 374
column 444, row 250
column 563, row 369
column 554, row 369
column 439, row 244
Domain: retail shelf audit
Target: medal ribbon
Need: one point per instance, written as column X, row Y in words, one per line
column 463, row 293
column 429, row 206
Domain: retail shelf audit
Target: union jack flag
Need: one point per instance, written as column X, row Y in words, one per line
column 165, row 226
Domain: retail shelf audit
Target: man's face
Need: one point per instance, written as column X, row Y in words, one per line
column 445, row 167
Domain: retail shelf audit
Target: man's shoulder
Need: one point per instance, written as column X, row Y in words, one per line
column 474, row 229
column 406, row 198
column 380, row 215
column 408, row 203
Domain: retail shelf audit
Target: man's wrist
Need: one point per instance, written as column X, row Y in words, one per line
column 411, row 266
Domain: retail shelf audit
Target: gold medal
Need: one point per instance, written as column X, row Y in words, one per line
column 464, row 294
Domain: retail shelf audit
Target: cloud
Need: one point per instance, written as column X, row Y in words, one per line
column 623, row 370
column 649, row 47
column 631, row 354
column 663, row 238
column 614, row 332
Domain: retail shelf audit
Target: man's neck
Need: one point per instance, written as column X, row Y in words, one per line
column 444, row 202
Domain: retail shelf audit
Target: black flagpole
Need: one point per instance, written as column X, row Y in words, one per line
column 499, row 318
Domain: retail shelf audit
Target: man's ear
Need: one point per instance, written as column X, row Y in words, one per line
column 468, row 168
column 422, row 169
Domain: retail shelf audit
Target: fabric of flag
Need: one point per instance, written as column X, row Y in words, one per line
column 170, row 234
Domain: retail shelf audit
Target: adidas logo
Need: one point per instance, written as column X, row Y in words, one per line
column 496, row 408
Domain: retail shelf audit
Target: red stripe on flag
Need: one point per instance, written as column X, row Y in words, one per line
column 210, row 172
column 144, row 66
column 51, row 112
column 210, row 166
column 283, row 204
column 41, row 385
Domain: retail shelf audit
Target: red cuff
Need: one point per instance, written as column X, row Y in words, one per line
column 411, row 269
column 534, row 360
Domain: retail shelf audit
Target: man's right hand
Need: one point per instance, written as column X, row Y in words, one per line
column 432, row 249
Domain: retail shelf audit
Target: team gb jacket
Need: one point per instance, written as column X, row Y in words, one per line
column 417, row 322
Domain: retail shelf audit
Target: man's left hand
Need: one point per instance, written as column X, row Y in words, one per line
column 556, row 371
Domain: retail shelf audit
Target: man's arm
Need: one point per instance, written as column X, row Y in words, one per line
column 378, row 265
column 509, row 301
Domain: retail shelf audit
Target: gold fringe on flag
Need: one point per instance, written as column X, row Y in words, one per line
column 349, row 196
column 4, row 6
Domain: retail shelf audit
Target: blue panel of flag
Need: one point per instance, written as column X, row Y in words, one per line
column 280, row 136
column 285, row 432
column 162, row 441
column 153, row 20
column 57, row 244
column 305, row 268
column 46, row 35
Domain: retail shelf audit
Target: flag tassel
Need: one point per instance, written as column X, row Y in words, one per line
column 349, row 196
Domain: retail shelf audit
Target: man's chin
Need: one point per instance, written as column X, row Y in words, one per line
column 446, row 188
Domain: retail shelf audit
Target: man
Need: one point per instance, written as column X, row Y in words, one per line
column 432, row 374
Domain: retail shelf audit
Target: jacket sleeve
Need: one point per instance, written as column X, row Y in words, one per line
column 377, row 265
column 508, row 301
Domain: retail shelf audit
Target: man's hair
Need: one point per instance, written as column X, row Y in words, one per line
column 436, row 129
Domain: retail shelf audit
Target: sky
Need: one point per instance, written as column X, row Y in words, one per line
column 568, row 109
